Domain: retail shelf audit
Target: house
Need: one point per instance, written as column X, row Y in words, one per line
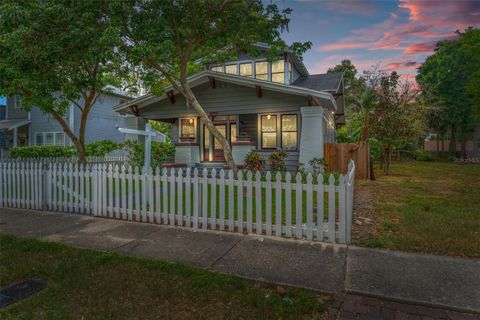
column 35, row 128
column 257, row 104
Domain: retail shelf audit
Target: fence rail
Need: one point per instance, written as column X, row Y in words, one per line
column 72, row 159
column 300, row 206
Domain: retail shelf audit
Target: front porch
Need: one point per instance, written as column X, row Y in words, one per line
column 299, row 133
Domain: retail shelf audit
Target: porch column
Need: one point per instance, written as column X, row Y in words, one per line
column 187, row 153
column 15, row 136
column 311, row 136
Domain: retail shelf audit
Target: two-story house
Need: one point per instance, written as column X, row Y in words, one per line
column 257, row 104
column 35, row 128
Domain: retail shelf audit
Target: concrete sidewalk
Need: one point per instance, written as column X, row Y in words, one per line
column 427, row 279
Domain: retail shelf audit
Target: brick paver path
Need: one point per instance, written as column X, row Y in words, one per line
column 356, row 307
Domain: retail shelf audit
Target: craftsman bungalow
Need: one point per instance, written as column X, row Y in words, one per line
column 257, row 104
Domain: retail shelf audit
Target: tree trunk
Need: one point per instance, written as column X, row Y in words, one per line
column 79, row 145
column 438, row 145
column 452, row 148
column 443, row 143
column 464, row 145
column 227, row 150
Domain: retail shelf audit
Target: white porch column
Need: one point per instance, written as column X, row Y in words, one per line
column 15, row 136
column 311, row 136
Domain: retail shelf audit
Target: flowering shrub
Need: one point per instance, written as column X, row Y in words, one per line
column 276, row 160
column 254, row 162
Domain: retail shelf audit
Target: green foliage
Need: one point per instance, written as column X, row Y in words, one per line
column 101, row 148
column 41, row 152
column 276, row 160
column 317, row 163
column 163, row 127
column 450, row 79
column 421, row 155
column 254, row 162
column 160, row 153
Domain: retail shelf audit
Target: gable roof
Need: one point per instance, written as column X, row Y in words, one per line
column 320, row 82
column 324, row 99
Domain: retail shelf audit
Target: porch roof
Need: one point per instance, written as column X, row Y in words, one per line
column 13, row 123
column 324, row 99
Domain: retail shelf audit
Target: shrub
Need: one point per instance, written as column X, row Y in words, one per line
column 161, row 151
column 317, row 164
column 276, row 160
column 42, row 152
column 101, row 148
column 254, row 162
column 421, row 155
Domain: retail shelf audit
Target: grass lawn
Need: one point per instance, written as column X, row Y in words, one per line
column 431, row 207
column 85, row 284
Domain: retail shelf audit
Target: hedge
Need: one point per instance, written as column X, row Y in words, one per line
column 161, row 152
column 94, row 149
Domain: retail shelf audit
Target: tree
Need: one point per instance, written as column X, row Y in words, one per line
column 173, row 39
column 436, row 119
column 395, row 116
column 449, row 79
column 57, row 53
column 349, row 72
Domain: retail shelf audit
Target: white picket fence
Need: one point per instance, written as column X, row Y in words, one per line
column 72, row 159
column 282, row 206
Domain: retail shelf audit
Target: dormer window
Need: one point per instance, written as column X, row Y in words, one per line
column 231, row 69
column 278, row 71
column 261, row 70
column 217, row 68
column 246, row 69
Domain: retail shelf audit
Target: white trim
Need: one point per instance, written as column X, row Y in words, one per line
column 44, row 138
column 202, row 77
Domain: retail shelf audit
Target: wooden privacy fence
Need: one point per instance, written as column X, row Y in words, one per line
column 339, row 155
column 301, row 206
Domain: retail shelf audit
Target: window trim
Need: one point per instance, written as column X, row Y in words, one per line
column 281, row 62
column 180, row 131
column 262, row 132
column 282, row 131
column 279, row 131
column 54, row 143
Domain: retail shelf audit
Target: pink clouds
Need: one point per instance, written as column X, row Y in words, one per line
column 428, row 22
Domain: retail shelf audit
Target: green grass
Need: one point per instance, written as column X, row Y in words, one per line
column 85, row 284
column 430, row 207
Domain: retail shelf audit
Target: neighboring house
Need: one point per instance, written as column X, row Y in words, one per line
column 35, row 128
column 258, row 105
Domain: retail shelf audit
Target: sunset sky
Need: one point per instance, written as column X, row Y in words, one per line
column 397, row 34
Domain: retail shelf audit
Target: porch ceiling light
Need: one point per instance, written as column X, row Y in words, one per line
column 269, row 116
column 190, row 120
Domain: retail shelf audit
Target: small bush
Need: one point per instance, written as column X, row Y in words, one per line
column 161, row 151
column 421, row 155
column 254, row 162
column 101, row 148
column 41, row 152
column 317, row 164
column 276, row 160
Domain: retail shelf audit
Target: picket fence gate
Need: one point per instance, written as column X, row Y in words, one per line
column 300, row 206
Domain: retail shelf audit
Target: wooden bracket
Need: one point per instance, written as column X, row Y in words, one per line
column 310, row 101
column 171, row 96
column 258, row 89
column 211, row 80
column 135, row 110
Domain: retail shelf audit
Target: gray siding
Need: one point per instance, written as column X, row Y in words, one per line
column 42, row 122
column 248, row 124
column 226, row 98
column 12, row 112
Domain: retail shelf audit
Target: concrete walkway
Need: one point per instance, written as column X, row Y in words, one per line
column 427, row 279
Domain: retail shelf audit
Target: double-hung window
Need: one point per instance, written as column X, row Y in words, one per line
column 269, row 131
column 289, row 131
column 50, row 138
column 278, row 71
column 187, row 128
column 261, row 70
column 246, row 69
column 231, row 69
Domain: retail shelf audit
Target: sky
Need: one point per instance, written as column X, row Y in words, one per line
column 396, row 34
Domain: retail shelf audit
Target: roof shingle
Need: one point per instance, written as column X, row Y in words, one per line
column 320, row 82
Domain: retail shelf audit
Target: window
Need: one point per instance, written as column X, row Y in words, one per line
column 246, row 69
column 39, row 139
column 289, row 131
column 50, row 138
column 217, row 68
column 261, row 70
column 59, row 139
column 278, row 71
column 17, row 102
column 187, row 128
column 231, row 69
column 269, row 131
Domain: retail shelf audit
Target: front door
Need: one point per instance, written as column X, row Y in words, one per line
column 212, row 148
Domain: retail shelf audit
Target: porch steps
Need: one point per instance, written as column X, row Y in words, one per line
column 210, row 165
